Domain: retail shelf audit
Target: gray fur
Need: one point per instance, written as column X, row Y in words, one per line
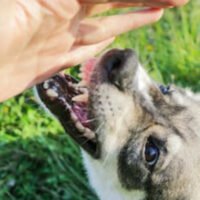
column 176, row 175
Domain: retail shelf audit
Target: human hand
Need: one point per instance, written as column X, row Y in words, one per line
column 151, row 3
column 42, row 37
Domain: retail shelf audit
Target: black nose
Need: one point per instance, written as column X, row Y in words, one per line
column 119, row 65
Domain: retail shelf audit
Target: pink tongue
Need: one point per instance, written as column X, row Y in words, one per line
column 87, row 69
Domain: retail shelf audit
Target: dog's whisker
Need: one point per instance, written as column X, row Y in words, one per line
column 91, row 120
column 99, row 127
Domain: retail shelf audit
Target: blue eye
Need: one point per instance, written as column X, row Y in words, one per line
column 151, row 154
column 165, row 89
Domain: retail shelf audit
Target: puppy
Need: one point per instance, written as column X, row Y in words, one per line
column 140, row 140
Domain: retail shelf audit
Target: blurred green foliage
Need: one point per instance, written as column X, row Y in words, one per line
column 38, row 161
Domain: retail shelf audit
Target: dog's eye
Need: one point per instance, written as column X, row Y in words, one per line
column 151, row 154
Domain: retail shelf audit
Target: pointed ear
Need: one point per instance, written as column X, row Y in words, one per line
column 57, row 105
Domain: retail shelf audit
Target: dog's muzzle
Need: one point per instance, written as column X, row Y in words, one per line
column 67, row 98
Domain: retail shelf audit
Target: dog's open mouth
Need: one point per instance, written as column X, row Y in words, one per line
column 67, row 99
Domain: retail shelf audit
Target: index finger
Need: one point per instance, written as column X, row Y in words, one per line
column 139, row 3
column 108, row 1
column 144, row 2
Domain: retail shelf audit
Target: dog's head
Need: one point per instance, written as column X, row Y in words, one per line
column 150, row 132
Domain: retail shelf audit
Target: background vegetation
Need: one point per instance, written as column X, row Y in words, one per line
column 37, row 159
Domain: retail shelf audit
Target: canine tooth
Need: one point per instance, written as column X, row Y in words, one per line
column 89, row 134
column 46, row 85
column 81, row 98
column 52, row 93
column 73, row 117
column 80, row 127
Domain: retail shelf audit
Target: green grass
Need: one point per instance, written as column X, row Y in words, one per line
column 37, row 159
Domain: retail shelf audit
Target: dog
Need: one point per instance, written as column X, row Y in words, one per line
column 140, row 140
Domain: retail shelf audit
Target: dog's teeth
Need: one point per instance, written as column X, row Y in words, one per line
column 74, row 117
column 89, row 134
column 81, row 98
column 52, row 93
column 46, row 85
column 80, row 127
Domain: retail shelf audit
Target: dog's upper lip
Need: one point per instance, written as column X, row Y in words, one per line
column 57, row 94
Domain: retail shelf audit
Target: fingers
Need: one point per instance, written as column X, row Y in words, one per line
column 49, row 65
column 99, row 8
column 80, row 54
column 99, row 29
column 61, row 8
column 151, row 3
column 177, row 2
column 95, row 1
column 140, row 2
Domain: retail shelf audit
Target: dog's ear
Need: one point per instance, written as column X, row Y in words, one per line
column 53, row 99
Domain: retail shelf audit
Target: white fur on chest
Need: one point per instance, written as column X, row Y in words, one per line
column 103, row 178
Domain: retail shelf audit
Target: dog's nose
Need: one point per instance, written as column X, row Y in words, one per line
column 115, row 59
column 120, row 65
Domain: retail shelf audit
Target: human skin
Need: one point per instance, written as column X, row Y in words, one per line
column 154, row 3
column 42, row 37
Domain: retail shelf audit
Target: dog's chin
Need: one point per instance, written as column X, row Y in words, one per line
column 67, row 99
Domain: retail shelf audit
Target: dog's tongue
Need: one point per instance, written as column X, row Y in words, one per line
column 87, row 69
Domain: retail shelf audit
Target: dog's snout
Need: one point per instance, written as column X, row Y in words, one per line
column 120, row 66
column 115, row 62
column 113, row 65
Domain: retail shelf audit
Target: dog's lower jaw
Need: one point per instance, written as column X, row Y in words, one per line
column 104, row 180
